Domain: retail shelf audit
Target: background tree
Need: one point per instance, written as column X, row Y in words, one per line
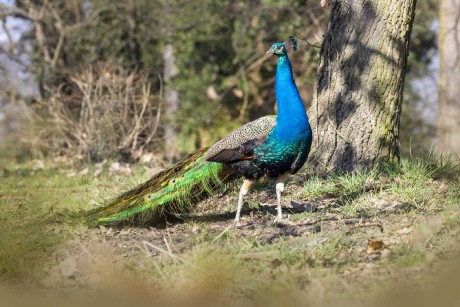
column 360, row 84
column 449, row 77
column 420, row 99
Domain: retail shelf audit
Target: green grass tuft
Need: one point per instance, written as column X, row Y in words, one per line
column 407, row 256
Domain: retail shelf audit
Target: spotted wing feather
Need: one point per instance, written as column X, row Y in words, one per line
column 239, row 144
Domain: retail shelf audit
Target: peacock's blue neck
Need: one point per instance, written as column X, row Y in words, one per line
column 292, row 120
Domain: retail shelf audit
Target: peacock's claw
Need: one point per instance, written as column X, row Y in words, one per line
column 236, row 224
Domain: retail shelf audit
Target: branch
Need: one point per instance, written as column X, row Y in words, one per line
column 8, row 34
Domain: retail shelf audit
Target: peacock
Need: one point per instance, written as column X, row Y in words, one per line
column 273, row 146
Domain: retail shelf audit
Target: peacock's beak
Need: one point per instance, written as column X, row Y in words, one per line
column 269, row 51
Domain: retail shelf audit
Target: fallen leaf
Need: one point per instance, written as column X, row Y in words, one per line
column 375, row 246
column 275, row 263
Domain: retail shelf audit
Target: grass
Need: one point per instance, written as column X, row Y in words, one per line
column 326, row 256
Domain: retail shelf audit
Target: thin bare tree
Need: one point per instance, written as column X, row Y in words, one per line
column 449, row 77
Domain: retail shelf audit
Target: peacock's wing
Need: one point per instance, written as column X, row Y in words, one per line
column 239, row 144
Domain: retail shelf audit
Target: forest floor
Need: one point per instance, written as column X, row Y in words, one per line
column 379, row 238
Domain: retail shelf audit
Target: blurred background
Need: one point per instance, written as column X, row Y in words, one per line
column 151, row 80
column 106, row 85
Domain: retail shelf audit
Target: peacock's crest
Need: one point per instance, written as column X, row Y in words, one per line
column 294, row 41
column 290, row 43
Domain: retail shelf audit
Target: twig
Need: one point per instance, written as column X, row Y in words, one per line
column 148, row 244
column 221, row 234
column 159, row 249
column 8, row 34
column 168, row 247
column 157, row 118
column 255, row 256
column 304, row 41
column 157, row 121
column 147, row 250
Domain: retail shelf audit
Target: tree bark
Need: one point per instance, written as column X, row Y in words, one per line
column 355, row 114
column 171, row 98
column 171, row 103
column 449, row 77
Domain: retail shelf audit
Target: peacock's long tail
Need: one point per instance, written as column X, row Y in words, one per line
column 173, row 190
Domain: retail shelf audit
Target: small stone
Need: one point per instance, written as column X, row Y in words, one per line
column 385, row 253
column 310, row 208
column 84, row 172
column 404, row 231
column 115, row 166
column 38, row 165
column 147, row 157
column 316, row 229
column 68, row 267
column 303, row 207
column 124, row 232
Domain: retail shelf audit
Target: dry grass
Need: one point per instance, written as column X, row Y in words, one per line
column 103, row 112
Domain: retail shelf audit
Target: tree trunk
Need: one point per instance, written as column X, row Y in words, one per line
column 171, row 102
column 355, row 116
column 449, row 77
column 171, row 94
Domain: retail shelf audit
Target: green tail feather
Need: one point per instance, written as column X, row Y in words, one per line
column 172, row 190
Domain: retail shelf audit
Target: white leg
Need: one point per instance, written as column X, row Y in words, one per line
column 243, row 191
column 279, row 189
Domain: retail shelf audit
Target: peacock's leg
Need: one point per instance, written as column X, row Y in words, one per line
column 279, row 189
column 243, row 191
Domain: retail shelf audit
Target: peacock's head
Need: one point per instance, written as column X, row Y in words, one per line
column 278, row 49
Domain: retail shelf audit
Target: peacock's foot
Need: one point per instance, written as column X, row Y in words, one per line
column 236, row 224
